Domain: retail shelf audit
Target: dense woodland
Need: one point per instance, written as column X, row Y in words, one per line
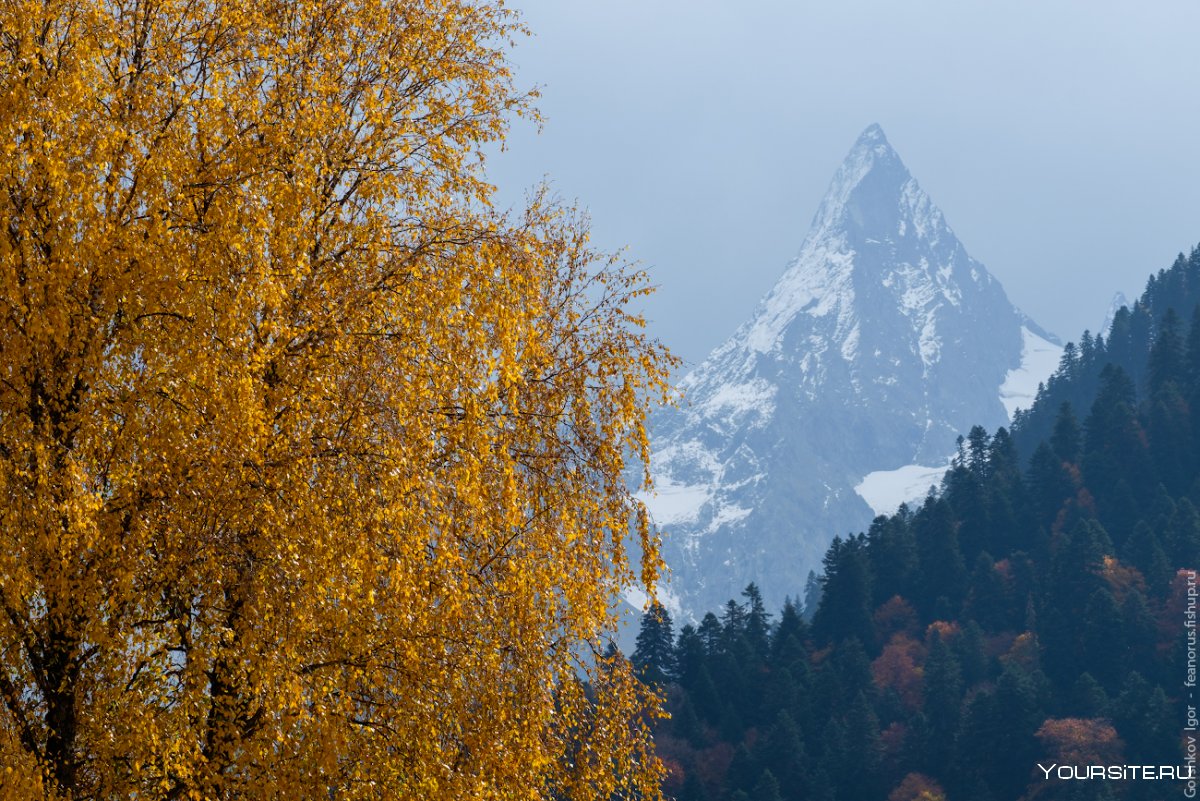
column 1030, row 610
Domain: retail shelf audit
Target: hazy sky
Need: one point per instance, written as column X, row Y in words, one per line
column 1061, row 139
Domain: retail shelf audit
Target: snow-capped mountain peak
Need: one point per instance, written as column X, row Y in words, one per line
column 879, row 344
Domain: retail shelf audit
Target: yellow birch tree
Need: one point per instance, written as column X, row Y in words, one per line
column 312, row 466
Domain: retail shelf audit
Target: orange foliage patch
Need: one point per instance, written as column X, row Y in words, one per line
column 917, row 787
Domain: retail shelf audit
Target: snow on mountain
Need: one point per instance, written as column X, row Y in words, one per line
column 882, row 341
column 1039, row 358
column 1118, row 301
column 885, row 490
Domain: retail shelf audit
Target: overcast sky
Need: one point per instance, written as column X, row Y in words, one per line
column 1060, row 139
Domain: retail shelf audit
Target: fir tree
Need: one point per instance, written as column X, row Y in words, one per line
column 1067, row 436
column 654, row 657
column 845, row 609
column 1167, row 354
column 943, row 694
column 941, row 569
column 758, row 621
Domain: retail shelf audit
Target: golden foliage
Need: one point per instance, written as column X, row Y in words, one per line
column 917, row 787
column 313, row 466
column 1080, row 741
column 1122, row 578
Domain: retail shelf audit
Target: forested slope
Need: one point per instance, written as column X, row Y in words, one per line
column 1032, row 610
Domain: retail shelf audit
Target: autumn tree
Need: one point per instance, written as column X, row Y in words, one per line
column 312, row 464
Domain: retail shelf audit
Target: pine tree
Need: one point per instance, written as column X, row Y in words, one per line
column 654, row 657
column 1067, row 436
column 943, row 695
column 892, row 555
column 1076, row 570
column 1192, row 354
column 1050, row 488
column 689, row 657
column 1143, row 549
column 988, row 602
column 1115, row 450
column 997, row 745
column 1088, row 699
column 758, row 621
column 693, row 788
column 1168, row 424
column 941, row 569
column 1167, row 354
column 1140, row 633
column 782, row 752
column 787, row 640
column 767, row 788
column 863, row 780
column 1183, row 535
column 710, row 633
column 970, row 650
column 1102, row 644
column 845, row 609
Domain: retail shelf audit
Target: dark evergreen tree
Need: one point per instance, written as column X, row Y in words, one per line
column 845, row 609
column 941, row 569
column 892, row 556
column 1183, row 535
column 998, row 745
column 733, row 623
column 978, row 448
column 1141, row 331
column 1088, row 699
column 787, row 641
column 1104, row 651
column 710, row 633
column 758, row 621
column 686, row 723
column 989, row 602
column 1139, row 635
column 1167, row 354
column 853, row 667
column 1076, row 570
column 812, row 595
column 969, row 649
column 654, row 657
column 693, row 788
column 1168, row 425
column 966, row 493
column 744, row 770
column 710, row 703
column 1143, row 715
column 1144, row 551
column 767, row 788
column 689, row 657
column 864, row 778
column 1067, row 438
column 1115, row 448
column 943, row 695
column 782, row 751
column 1191, row 372
column 1051, row 488
column 779, row 692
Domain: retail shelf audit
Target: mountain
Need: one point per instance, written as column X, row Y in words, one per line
column 1041, row 606
column 882, row 341
column 1118, row 302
